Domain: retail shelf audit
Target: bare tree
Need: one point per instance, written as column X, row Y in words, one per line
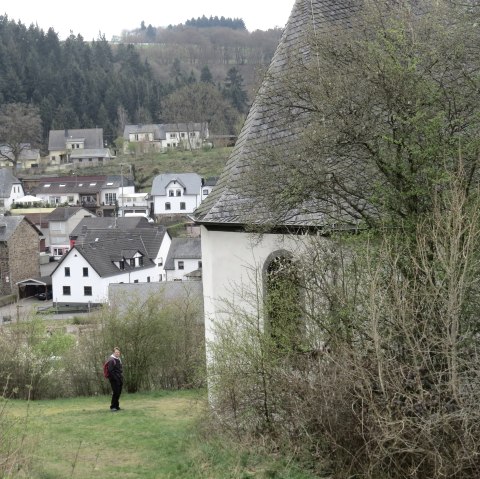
column 20, row 130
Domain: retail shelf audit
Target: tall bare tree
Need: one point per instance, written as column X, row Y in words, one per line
column 20, row 130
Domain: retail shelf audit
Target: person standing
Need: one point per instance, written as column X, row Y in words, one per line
column 115, row 376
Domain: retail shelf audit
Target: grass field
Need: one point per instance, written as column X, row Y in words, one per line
column 156, row 436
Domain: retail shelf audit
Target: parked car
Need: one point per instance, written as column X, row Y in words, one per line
column 44, row 295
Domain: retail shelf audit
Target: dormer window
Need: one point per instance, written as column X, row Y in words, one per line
column 121, row 264
column 132, row 262
column 179, row 192
column 171, row 193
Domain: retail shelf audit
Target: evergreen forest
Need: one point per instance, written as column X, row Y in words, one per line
column 80, row 84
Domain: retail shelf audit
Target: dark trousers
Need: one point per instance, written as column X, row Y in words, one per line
column 116, row 391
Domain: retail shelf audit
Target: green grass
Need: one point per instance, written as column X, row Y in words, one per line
column 156, row 436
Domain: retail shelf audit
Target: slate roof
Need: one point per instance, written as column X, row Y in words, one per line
column 91, row 153
column 63, row 213
column 190, row 181
column 183, row 248
column 130, row 223
column 93, row 138
column 6, row 181
column 101, row 248
column 265, row 127
column 80, row 184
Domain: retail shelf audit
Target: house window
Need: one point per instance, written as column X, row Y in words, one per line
column 168, row 206
column 110, row 198
column 87, row 290
column 70, row 199
column 121, row 264
column 173, row 135
column 205, row 192
column 192, row 134
column 182, row 134
column 85, row 272
column 66, row 291
column 171, row 193
column 199, row 265
column 135, row 281
column 182, row 205
column 67, row 271
column 179, row 192
column 132, row 262
column 181, row 265
column 148, row 279
column 140, row 261
column 160, row 262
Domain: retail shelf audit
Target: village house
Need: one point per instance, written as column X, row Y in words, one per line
column 79, row 147
column 61, row 222
column 184, row 260
column 19, row 252
column 101, row 194
column 103, row 257
column 159, row 137
column 176, row 193
column 11, row 189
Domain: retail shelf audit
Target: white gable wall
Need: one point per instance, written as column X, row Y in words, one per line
column 162, row 257
column 232, row 262
column 17, row 192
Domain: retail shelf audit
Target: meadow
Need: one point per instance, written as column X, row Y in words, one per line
column 158, row 435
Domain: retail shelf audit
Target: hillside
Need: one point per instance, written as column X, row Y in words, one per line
column 78, row 84
column 144, row 168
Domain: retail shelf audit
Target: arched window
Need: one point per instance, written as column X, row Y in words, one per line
column 283, row 301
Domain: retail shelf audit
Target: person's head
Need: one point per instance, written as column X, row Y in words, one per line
column 116, row 351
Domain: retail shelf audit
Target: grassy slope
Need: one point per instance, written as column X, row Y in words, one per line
column 206, row 163
column 156, row 436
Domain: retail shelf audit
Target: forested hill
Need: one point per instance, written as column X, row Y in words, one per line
column 78, row 84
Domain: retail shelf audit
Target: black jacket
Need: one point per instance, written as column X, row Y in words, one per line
column 115, row 369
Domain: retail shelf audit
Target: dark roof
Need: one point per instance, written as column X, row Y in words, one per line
column 80, row 184
column 211, row 181
column 93, row 138
column 6, row 181
column 101, row 248
column 183, row 248
column 130, row 223
column 63, row 213
column 266, row 128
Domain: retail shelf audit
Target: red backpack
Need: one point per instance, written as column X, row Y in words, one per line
column 105, row 368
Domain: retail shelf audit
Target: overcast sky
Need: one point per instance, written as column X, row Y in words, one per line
column 89, row 17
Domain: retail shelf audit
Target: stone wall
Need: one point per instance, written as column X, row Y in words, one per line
column 23, row 257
